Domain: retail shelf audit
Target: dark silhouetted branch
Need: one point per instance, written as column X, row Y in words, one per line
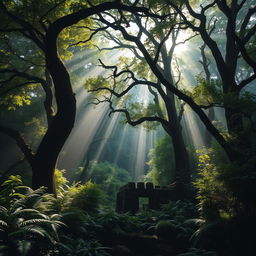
column 90, row 37
column 212, row 129
column 246, row 81
column 34, row 33
column 15, row 87
column 14, row 134
column 140, row 120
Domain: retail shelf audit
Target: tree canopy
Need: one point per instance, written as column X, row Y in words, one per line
column 37, row 39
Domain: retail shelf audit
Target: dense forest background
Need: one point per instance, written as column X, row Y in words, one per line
column 96, row 94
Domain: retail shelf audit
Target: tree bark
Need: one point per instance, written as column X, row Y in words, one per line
column 182, row 168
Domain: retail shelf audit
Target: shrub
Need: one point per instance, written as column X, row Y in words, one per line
column 161, row 164
column 109, row 177
column 166, row 229
column 87, row 197
column 215, row 200
column 60, row 180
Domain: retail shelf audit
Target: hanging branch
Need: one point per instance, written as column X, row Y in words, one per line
column 119, row 45
column 244, row 52
column 160, row 45
column 214, row 131
column 48, row 103
column 17, row 73
column 116, row 74
column 246, row 82
column 34, row 33
column 95, row 31
column 204, row 9
column 16, row 135
column 160, row 118
column 16, row 87
column 179, row 73
column 13, row 52
column 138, row 121
column 117, row 41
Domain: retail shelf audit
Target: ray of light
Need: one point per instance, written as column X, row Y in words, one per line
column 121, row 144
column 90, row 68
column 141, row 154
column 91, row 138
column 80, row 55
column 107, row 134
column 193, row 129
column 80, row 58
column 81, row 137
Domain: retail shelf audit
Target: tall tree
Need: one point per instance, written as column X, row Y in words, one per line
column 164, row 108
column 44, row 32
column 237, row 44
column 239, row 29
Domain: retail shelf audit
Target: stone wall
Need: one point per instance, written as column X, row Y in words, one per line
column 128, row 195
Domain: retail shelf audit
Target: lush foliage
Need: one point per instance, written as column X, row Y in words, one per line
column 28, row 215
column 225, row 189
column 25, row 229
column 30, row 223
column 86, row 197
column 226, row 203
column 212, row 194
column 108, row 176
column 75, row 222
column 161, row 168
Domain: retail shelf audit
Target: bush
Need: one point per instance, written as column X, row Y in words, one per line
column 109, row 177
column 167, row 230
column 215, row 200
column 161, row 164
column 87, row 197
column 60, row 180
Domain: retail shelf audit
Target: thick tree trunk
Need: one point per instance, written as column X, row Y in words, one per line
column 234, row 120
column 182, row 166
column 61, row 124
column 43, row 175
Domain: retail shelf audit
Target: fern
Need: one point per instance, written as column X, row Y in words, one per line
column 3, row 223
column 23, row 223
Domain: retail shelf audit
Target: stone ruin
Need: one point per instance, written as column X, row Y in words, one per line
column 128, row 196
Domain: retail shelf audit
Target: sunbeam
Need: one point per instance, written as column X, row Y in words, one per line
column 81, row 137
column 112, row 125
column 195, row 133
column 140, row 149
